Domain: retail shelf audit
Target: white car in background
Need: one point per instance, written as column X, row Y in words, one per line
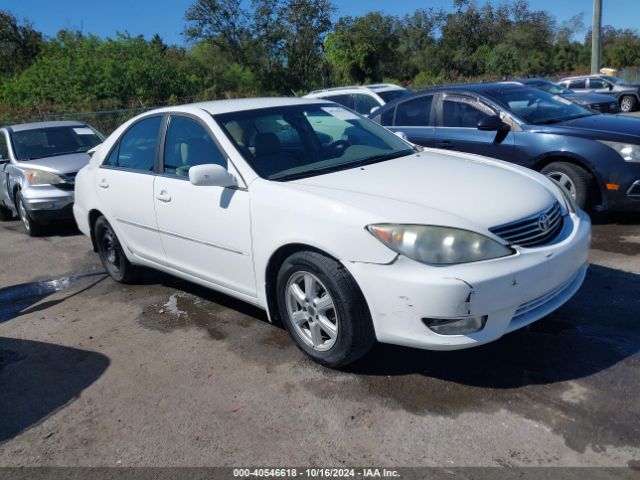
column 363, row 99
column 332, row 224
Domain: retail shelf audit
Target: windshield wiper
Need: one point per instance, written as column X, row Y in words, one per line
column 342, row 166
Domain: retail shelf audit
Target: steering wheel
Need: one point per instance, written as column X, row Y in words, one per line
column 338, row 147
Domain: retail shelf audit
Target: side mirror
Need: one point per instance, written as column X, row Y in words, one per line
column 610, row 86
column 211, row 175
column 492, row 123
column 373, row 110
column 402, row 135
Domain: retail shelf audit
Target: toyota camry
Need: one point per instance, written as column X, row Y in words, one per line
column 341, row 230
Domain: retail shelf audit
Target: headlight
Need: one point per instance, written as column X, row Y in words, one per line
column 628, row 151
column 40, row 177
column 438, row 245
column 571, row 203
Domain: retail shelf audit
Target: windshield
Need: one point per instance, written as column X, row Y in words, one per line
column 285, row 143
column 392, row 94
column 618, row 81
column 539, row 107
column 53, row 141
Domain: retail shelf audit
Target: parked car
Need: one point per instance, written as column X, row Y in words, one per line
column 363, row 99
column 596, row 157
column 626, row 94
column 38, row 164
column 334, row 225
column 597, row 102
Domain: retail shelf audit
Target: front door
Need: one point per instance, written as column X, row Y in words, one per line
column 125, row 187
column 205, row 230
column 457, row 128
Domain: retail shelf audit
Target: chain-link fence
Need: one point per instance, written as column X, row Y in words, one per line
column 105, row 121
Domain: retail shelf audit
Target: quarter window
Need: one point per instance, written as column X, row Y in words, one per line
column 414, row 113
column 463, row 112
column 137, row 148
column 188, row 144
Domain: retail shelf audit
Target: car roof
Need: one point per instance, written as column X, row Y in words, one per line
column 23, row 127
column 374, row 87
column 580, row 77
column 215, row 107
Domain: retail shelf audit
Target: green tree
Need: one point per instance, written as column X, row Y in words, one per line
column 19, row 44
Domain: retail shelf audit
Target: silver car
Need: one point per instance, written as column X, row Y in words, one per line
column 38, row 165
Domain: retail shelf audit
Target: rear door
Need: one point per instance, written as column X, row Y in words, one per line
column 458, row 117
column 415, row 117
column 5, row 196
column 125, row 188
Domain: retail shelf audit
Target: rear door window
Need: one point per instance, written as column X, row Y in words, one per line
column 414, row 113
column 581, row 83
column 138, row 146
column 346, row 100
column 364, row 103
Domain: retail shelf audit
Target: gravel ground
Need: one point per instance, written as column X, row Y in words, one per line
column 165, row 373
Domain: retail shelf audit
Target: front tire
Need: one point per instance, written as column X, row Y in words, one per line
column 111, row 253
column 323, row 309
column 628, row 103
column 32, row 227
column 577, row 180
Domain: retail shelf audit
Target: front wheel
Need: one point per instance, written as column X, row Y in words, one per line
column 575, row 179
column 32, row 227
column 628, row 103
column 323, row 309
column 111, row 254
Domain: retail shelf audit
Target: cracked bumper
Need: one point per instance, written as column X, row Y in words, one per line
column 513, row 291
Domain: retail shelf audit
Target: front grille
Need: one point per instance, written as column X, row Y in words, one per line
column 533, row 231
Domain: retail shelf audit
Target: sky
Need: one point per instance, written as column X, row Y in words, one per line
column 166, row 17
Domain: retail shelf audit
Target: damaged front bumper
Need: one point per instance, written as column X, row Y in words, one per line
column 511, row 291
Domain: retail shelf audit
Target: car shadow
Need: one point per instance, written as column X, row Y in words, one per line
column 37, row 379
column 615, row 218
column 598, row 328
column 66, row 228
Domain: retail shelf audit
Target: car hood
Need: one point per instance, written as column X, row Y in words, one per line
column 70, row 163
column 441, row 188
column 589, row 98
column 605, row 127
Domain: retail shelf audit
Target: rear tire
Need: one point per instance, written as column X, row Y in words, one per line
column 111, row 254
column 576, row 179
column 323, row 309
column 628, row 103
column 31, row 227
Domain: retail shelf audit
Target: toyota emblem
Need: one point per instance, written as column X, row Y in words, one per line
column 543, row 222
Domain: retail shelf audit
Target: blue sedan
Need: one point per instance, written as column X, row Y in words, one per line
column 596, row 157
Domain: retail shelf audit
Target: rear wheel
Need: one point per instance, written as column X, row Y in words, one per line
column 628, row 103
column 577, row 180
column 111, row 254
column 323, row 309
column 32, row 227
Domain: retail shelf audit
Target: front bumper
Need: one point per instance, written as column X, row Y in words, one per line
column 512, row 291
column 48, row 203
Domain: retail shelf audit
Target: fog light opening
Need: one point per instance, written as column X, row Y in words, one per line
column 455, row 326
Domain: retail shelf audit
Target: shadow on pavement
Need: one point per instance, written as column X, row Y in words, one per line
column 39, row 378
column 595, row 330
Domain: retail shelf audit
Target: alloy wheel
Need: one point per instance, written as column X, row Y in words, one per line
column 312, row 311
column 626, row 104
column 564, row 180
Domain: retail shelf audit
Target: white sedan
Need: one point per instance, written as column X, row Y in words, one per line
column 338, row 228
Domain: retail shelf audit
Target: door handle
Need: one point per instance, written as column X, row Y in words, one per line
column 163, row 196
column 445, row 144
column 103, row 183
